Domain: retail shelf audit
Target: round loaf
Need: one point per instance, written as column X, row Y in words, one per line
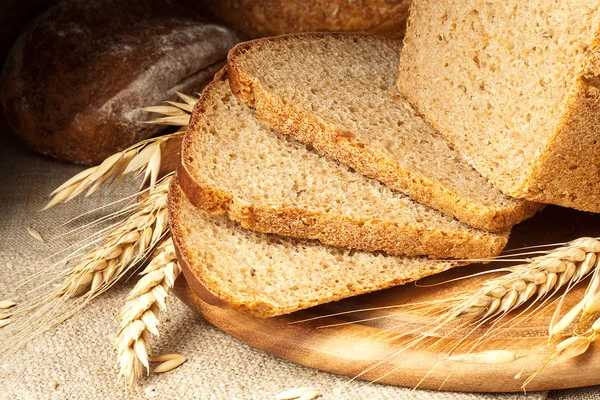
column 276, row 17
column 74, row 79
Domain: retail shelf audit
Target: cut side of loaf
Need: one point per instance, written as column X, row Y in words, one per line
column 338, row 93
column 515, row 87
column 231, row 163
column 269, row 275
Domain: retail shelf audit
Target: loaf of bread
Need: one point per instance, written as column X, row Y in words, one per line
column 338, row 93
column 73, row 80
column 233, row 164
column 269, row 275
column 276, row 17
column 515, row 87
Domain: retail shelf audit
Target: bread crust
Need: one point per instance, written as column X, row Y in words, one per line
column 276, row 17
column 366, row 160
column 74, row 79
column 210, row 291
column 344, row 231
column 566, row 170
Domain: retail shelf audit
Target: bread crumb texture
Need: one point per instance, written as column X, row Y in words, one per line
column 338, row 93
column 514, row 86
column 232, row 163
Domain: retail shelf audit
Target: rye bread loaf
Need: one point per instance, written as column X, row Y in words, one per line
column 515, row 86
column 74, row 78
column 276, row 17
column 233, row 164
column 269, row 275
column 338, row 93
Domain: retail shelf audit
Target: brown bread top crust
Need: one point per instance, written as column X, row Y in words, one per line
column 276, row 17
column 434, row 235
column 74, row 78
column 249, row 85
column 557, row 51
column 267, row 275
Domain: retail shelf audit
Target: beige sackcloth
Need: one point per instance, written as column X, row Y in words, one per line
column 76, row 360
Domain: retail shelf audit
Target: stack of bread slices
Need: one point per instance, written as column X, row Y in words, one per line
column 306, row 177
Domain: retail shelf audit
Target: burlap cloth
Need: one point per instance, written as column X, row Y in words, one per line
column 76, row 360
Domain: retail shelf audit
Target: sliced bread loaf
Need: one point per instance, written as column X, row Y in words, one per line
column 232, row 163
column 515, row 86
column 338, row 93
column 268, row 275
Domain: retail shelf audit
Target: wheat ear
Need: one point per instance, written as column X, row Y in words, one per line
column 139, row 317
column 141, row 158
column 175, row 113
column 128, row 243
column 537, row 280
column 540, row 277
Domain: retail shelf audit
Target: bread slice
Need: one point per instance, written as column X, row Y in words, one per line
column 233, row 164
column 269, row 275
column 523, row 79
column 338, row 93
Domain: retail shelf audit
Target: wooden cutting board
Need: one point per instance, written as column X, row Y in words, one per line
column 369, row 340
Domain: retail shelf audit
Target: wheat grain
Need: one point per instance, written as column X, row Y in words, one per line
column 139, row 316
column 163, row 357
column 4, row 322
column 4, row 304
column 298, row 393
column 123, row 247
column 170, row 364
column 4, row 315
column 35, row 234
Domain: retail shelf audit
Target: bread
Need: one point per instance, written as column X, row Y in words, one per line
column 73, row 80
column 337, row 92
column 268, row 275
column 523, row 82
column 233, row 164
column 276, row 17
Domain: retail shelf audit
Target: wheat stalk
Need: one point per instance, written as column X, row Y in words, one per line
column 537, row 280
column 129, row 242
column 541, row 276
column 142, row 158
column 139, row 317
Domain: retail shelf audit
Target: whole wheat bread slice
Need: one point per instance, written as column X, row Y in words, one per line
column 338, row 93
column 269, row 275
column 231, row 163
column 524, row 79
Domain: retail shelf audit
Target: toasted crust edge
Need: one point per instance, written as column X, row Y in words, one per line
column 307, row 128
column 370, row 235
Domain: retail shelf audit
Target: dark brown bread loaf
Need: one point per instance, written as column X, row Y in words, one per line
column 276, row 17
column 73, row 80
